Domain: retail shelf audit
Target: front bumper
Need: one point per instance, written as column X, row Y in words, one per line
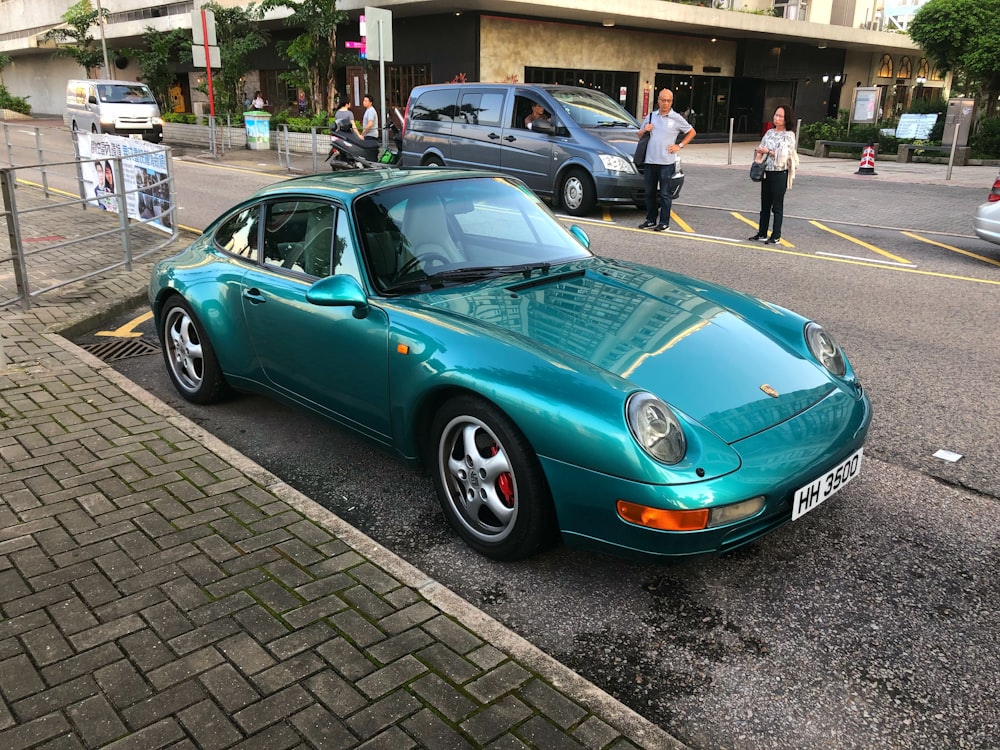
column 619, row 187
column 774, row 463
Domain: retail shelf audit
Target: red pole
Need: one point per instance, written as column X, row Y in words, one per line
column 208, row 63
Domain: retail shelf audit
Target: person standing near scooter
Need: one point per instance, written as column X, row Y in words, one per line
column 369, row 122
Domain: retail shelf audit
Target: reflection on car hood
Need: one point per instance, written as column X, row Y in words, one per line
column 621, row 139
column 657, row 332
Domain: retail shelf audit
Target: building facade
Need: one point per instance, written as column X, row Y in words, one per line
column 728, row 63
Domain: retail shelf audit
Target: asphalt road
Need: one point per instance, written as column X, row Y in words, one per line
column 868, row 623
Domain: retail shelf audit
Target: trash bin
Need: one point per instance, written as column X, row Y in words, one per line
column 258, row 126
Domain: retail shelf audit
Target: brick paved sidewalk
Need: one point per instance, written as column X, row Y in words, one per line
column 157, row 589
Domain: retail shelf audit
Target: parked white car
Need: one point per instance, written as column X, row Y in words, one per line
column 987, row 221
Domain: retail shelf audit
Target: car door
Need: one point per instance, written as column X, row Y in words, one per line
column 527, row 154
column 327, row 358
column 478, row 128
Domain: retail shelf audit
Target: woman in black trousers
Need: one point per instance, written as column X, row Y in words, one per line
column 778, row 147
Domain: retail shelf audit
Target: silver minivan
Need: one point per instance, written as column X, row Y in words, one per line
column 576, row 149
column 125, row 108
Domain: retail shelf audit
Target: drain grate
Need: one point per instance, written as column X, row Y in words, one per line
column 112, row 351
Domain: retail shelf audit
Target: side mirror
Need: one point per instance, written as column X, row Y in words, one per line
column 339, row 291
column 580, row 235
column 92, row 99
column 543, row 126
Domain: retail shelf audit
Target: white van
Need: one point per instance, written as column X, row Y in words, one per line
column 125, row 108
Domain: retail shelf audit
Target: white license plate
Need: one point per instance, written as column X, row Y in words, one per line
column 808, row 497
column 135, row 136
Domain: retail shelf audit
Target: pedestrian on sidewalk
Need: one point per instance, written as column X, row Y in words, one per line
column 663, row 126
column 781, row 157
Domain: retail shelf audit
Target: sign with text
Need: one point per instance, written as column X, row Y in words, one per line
column 144, row 170
column 915, row 127
column 378, row 34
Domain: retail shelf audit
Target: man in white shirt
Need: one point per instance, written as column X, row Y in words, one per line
column 663, row 127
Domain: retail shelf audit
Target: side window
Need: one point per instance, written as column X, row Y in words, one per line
column 436, row 105
column 345, row 254
column 238, row 234
column 298, row 236
column 481, row 108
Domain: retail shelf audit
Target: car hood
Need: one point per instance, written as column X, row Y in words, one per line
column 622, row 140
column 658, row 333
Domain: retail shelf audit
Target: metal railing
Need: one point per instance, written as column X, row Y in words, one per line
column 58, row 227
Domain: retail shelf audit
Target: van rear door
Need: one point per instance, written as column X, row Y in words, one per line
column 478, row 128
column 527, row 154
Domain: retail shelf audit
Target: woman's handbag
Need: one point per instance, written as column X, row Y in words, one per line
column 640, row 148
column 757, row 168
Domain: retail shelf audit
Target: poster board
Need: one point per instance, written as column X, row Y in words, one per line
column 864, row 107
column 144, row 170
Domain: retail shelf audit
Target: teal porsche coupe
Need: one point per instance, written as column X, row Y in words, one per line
column 451, row 318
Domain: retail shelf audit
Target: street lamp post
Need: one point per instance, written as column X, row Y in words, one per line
column 104, row 43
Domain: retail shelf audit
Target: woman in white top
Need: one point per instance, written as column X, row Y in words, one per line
column 778, row 149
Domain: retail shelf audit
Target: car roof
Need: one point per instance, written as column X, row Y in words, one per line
column 494, row 85
column 350, row 184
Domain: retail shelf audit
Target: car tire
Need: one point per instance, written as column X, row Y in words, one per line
column 577, row 193
column 189, row 356
column 489, row 481
column 432, row 161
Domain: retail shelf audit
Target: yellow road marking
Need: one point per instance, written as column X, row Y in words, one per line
column 680, row 222
column 953, row 249
column 125, row 331
column 825, row 258
column 863, row 244
column 755, row 225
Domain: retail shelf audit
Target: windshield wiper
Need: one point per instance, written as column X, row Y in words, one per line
column 487, row 272
column 473, row 273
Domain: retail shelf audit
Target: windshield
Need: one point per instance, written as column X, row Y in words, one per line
column 452, row 231
column 117, row 93
column 593, row 109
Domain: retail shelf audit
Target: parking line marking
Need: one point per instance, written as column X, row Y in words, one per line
column 680, row 222
column 862, row 243
column 125, row 331
column 754, row 225
column 866, row 260
column 952, row 248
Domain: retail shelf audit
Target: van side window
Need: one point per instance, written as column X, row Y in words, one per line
column 481, row 108
column 436, row 105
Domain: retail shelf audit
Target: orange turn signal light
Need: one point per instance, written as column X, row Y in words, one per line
column 665, row 520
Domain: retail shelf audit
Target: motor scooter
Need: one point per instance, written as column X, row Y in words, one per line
column 348, row 151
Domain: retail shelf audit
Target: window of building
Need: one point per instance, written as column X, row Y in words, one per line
column 885, row 67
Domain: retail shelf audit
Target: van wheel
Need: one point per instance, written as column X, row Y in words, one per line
column 577, row 193
column 433, row 161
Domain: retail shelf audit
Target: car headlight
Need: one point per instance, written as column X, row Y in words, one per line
column 655, row 427
column 157, row 121
column 617, row 164
column 825, row 349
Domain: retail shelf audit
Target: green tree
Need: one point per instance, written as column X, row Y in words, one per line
column 239, row 35
column 81, row 45
column 963, row 36
column 314, row 51
column 157, row 58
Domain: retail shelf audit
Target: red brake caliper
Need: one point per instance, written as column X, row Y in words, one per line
column 505, row 482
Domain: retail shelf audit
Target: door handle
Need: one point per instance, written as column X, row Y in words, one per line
column 493, row 136
column 510, row 138
column 254, row 296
